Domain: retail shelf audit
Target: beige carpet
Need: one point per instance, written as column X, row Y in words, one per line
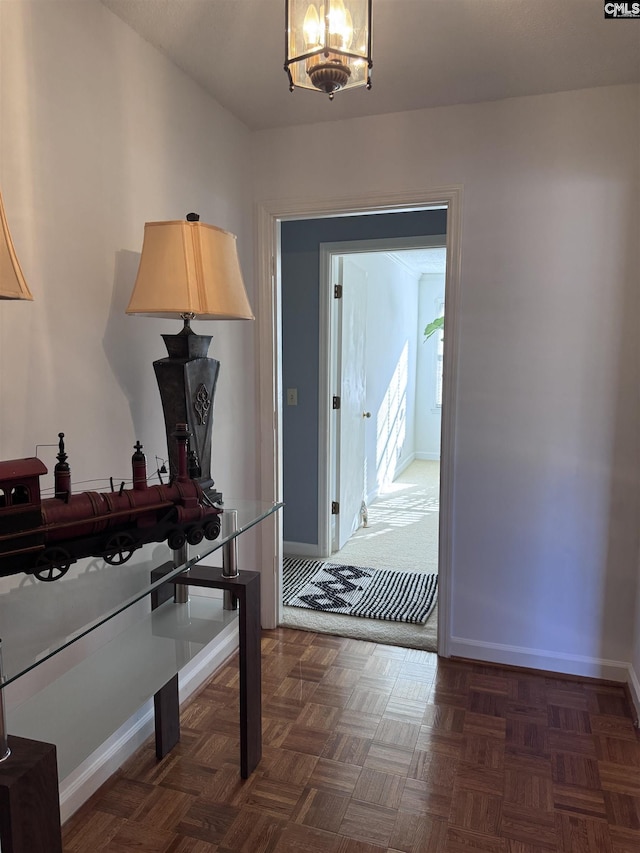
column 402, row 534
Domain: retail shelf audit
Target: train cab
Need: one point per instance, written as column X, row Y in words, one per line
column 20, row 503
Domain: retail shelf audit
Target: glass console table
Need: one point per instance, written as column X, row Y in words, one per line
column 138, row 630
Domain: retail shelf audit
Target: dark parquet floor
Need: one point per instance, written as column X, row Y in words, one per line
column 378, row 749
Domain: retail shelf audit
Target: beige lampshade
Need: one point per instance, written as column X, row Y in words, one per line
column 12, row 283
column 189, row 268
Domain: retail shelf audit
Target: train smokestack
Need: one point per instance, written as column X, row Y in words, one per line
column 139, row 466
column 182, row 435
column 62, row 473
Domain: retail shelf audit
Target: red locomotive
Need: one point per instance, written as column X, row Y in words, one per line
column 43, row 536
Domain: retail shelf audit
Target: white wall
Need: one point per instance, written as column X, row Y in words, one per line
column 545, row 543
column 98, row 134
column 428, row 414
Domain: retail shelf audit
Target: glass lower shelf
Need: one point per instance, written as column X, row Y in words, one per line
column 86, row 705
column 40, row 619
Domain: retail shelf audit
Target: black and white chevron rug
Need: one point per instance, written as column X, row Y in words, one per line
column 358, row 591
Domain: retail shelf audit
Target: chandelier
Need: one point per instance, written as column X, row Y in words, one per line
column 328, row 44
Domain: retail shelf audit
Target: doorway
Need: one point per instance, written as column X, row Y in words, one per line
column 390, row 415
column 270, row 217
column 382, row 448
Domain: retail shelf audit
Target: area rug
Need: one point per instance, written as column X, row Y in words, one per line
column 358, row 591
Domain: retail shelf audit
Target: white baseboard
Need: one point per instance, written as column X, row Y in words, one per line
column 105, row 761
column 301, row 549
column 564, row 664
column 427, row 456
column 402, row 466
column 634, row 692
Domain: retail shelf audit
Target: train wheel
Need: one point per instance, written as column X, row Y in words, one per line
column 195, row 535
column 176, row 539
column 119, row 548
column 52, row 564
column 212, row 529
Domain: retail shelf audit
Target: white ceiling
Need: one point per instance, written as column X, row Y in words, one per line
column 426, row 53
column 421, row 261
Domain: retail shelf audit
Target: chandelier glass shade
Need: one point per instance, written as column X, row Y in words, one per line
column 328, row 44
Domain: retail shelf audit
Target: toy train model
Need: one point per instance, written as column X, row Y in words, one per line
column 44, row 536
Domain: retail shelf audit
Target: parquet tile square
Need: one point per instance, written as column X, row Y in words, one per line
column 579, row 801
column 426, row 799
column 132, row 836
column 480, row 751
column 367, row 701
column 570, row 769
column 253, row 832
column 617, row 750
column 374, row 786
column 404, row 710
column 624, row 780
column 406, row 688
column 479, row 811
column 483, row 725
column 306, row 739
column 368, row 822
column 378, row 749
column 581, row 833
column 295, row 839
column 487, row 703
column 388, row 758
column 623, row 809
column 400, row 734
column 207, row 821
column 433, row 768
column 442, row 742
column 615, row 726
column 334, row 776
column 529, row 826
column 524, row 736
column 443, row 717
column 569, row 719
column 464, row 841
column 286, row 765
column 347, row 749
column 269, row 796
column 357, row 723
column 321, row 809
column 414, row 832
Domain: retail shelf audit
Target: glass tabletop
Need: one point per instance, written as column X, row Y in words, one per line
column 38, row 619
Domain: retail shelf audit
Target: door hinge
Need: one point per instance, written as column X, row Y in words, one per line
column 335, row 508
column 337, row 291
column 336, row 402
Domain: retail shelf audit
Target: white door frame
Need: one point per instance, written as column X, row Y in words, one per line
column 269, row 368
column 326, row 432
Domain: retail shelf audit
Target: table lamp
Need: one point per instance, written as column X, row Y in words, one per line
column 12, row 283
column 12, row 286
column 189, row 269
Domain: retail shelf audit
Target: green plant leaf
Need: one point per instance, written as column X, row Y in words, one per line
column 433, row 327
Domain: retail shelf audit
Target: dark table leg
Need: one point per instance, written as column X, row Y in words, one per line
column 250, row 679
column 246, row 588
column 29, row 799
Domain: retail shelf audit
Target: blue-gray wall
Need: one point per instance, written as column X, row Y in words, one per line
column 300, row 246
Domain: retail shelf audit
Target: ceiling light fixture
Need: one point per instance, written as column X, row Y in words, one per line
column 328, row 44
